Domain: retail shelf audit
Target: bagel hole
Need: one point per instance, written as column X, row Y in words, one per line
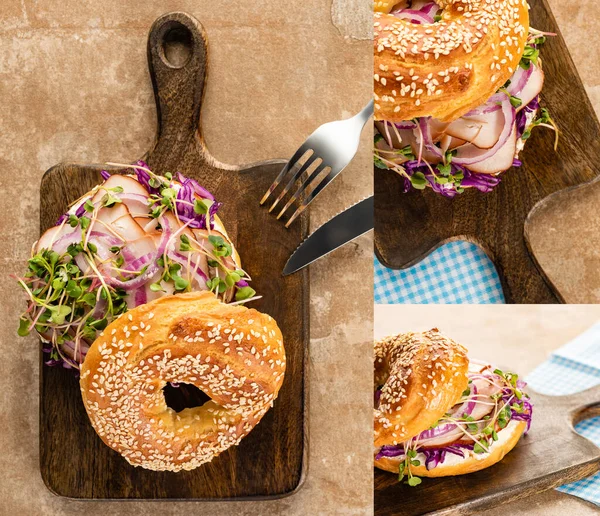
column 180, row 396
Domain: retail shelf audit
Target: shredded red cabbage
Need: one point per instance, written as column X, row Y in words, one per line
column 526, row 407
column 188, row 191
column 482, row 182
column 144, row 178
column 534, row 105
column 433, row 456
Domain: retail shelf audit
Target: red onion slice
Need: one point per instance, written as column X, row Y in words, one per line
column 63, row 239
column 405, row 125
column 137, row 204
column 519, row 80
column 413, row 16
column 429, row 8
column 140, row 297
column 494, row 103
column 502, row 160
column 152, row 269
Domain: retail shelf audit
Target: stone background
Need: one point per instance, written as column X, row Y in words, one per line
column 511, row 336
column 75, row 87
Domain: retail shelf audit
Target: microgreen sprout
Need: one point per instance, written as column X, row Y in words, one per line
column 507, row 403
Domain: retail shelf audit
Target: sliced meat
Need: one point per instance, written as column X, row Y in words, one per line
column 502, row 160
column 50, row 236
column 482, row 131
column 112, row 213
column 129, row 185
column 127, row 228
column 449, row 142
column 438, row 129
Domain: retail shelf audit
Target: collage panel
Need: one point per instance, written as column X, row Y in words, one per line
column 485, row 153
column 185, row 331
column 483, row 409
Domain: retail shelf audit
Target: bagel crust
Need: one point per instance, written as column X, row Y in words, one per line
column 420, row 375
column 446, row 69
column 233, row 354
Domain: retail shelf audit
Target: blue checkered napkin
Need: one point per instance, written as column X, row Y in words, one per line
column 578, row 366
column 456, row 273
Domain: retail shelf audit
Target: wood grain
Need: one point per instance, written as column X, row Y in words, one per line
column 271, row 460
column 410, row 226
column 550, row 455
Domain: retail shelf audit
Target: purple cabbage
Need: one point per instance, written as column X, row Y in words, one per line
column 526, row 405
column 200, row 190
column 80, row 211
column 188, row 192
column 522, row 115
column 433, row 456
column 144, row 178
column 390, row 450
column 105, row 174
column 483, row 182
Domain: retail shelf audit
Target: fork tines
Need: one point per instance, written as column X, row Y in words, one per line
column 306, row 174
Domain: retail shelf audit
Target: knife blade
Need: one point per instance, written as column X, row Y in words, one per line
column 336, row 232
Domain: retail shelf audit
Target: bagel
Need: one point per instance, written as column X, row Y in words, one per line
column 233, row 354
column 446, row 69
column 456, row 88
column 421, row 375
column 456, row 416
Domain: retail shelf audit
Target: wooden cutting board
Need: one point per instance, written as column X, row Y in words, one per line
column 550, row 455
column 410, row 226
column 271, row 461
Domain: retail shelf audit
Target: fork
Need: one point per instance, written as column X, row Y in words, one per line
column 332, row 146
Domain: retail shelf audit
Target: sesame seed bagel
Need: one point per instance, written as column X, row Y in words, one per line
column 448, row 68
column 421, row 375
column 233, row 354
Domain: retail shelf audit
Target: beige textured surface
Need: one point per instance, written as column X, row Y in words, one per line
column 74, row 86
column 518, row 337
column 563, row 232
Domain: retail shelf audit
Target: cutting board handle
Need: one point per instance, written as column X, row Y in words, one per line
column 177, row 57
column 585, row 404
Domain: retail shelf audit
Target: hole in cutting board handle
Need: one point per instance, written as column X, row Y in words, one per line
column 177, row 46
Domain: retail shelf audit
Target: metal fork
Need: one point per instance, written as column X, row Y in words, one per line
column 334, row 144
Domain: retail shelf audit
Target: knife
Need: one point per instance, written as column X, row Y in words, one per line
column 336, row 232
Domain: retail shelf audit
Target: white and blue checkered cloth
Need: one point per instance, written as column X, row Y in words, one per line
column 458, row 272
column 577, row 364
